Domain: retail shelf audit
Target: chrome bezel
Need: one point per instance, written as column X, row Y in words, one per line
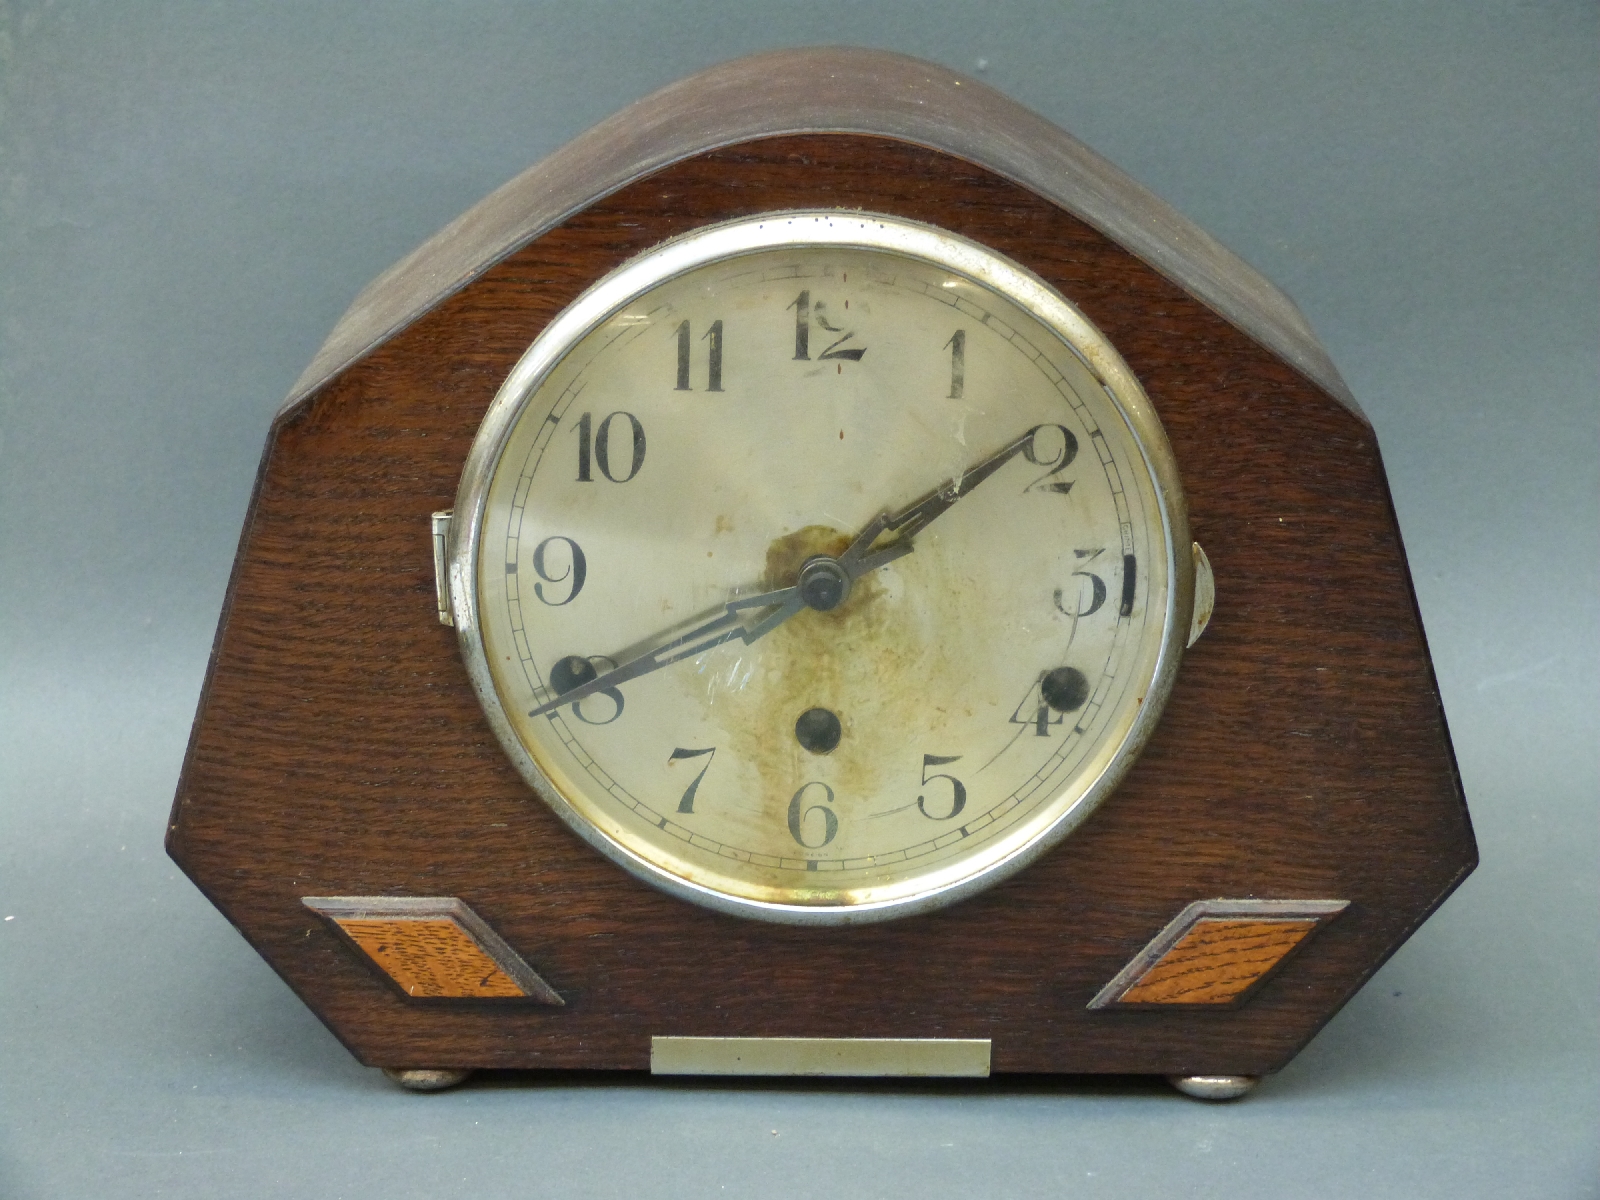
column 807, row 229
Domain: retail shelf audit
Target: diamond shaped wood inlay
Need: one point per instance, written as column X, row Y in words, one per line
column 433, row 948
column 1215, row 952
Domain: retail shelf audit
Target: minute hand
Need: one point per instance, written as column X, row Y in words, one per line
column 744, row 620
column 751, row 617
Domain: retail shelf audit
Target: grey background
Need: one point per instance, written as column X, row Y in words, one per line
column 190, row 194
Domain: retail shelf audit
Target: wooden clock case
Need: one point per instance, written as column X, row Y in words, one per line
column 339, row 749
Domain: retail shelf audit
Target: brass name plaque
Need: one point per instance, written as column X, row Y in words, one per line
column 864, row 1057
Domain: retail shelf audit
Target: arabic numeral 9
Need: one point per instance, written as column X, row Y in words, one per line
column 574, row 574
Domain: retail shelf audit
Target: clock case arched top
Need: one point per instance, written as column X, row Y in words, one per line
column 824, row 90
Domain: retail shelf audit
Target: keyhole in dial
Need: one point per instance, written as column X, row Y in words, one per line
column 1064, row 689
column 818, row 730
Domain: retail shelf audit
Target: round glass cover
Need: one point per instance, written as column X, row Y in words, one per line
column 821, row 567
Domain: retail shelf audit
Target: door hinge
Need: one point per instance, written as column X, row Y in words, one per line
column 441, row 564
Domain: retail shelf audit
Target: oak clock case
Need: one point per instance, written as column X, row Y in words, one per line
column 818, row 584
column 448, row 883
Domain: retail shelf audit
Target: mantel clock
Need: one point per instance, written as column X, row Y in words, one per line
column 822, row 575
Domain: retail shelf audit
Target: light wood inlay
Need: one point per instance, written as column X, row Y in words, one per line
column 430, row 957
column 1217, row 961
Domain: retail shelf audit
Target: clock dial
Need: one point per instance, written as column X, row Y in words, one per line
column 821, row 567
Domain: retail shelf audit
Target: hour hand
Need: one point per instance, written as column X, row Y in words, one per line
column 861, row 558
column 745, row 619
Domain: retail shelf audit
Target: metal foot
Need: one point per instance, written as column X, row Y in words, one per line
column 1214, row 1087
column 423, row 1079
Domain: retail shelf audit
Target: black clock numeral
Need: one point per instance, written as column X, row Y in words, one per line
column 807, row 314
column 1089, row 596
column 851, row 355
column 575, row 671
column 576, row 571
column 957, row 345
column 958, row 795
column 713, row 357
column 601, row 447
column 1086, row 606
column 802, row 326
column 1051, row 696
column 800, row 817
column 1034, row 711
column 1130, row 577
column 686, row 804
column 1057, row 461
column 683, row 357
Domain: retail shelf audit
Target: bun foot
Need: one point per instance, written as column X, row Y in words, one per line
column 1214, row 1087
column 423, row 1079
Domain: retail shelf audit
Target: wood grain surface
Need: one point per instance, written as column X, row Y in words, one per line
column 429, row 957
column 339, row 749
column 1217, row 961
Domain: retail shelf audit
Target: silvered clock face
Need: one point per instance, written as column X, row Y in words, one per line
column 821, row 567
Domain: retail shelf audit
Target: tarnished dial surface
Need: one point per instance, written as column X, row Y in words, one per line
column 743, row 402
